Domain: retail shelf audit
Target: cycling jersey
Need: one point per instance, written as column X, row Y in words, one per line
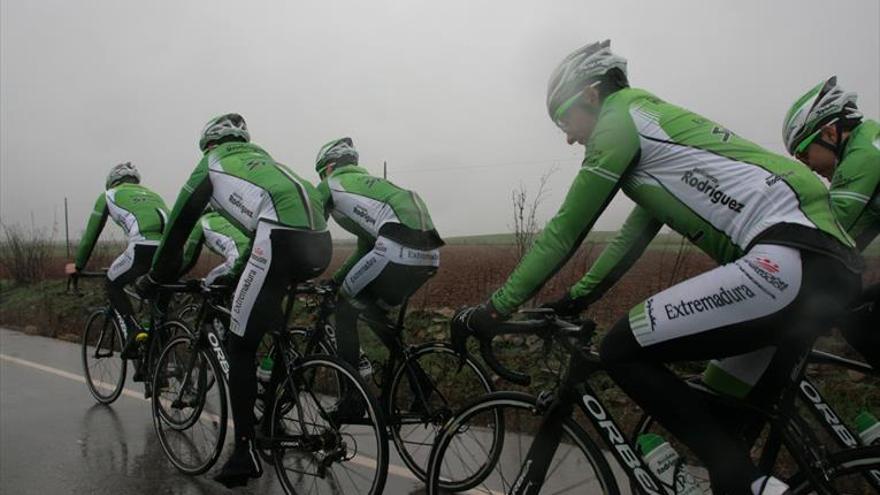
column 220, row 236
column 140, row 212
column 247, row 187
column 855, row 187
column 369, row 206
column 722, row 192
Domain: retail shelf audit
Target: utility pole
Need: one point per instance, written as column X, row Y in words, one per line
column 384, row 170
column 66, row 229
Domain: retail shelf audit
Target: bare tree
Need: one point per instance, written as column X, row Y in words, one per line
column 525, row 209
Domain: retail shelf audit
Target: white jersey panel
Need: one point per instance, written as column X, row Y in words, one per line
column 368, row 213
column 123, row 217
column 247, row 203
column 221, row 244
column 740, row 199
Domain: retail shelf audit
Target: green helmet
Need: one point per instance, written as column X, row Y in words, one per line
column 120, row 172
column 337, row 152
column 578, row 70
column 230, row 124
column 824, row 104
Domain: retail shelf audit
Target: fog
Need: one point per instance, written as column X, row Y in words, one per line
column 449, row 94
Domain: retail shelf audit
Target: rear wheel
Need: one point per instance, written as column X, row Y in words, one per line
column 313, row 450
column 483, row 449
column 427, row 389
column 103, row 365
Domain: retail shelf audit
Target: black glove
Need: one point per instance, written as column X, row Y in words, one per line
column 473, row 321
column 146, row 287
column 567, row 306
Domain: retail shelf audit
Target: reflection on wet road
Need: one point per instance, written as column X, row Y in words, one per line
column 55, row 439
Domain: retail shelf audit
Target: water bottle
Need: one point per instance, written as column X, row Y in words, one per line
column 868, row 427
column 264, row 372
column 663, row 461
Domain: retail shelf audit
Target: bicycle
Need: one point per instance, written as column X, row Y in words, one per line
column 811, row 399
column 310, row 450
column 102, row 342
column 547, row 435
column 420, row 386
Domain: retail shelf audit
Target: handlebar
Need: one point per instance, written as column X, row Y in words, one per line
column 542, row 322
column 73, row 279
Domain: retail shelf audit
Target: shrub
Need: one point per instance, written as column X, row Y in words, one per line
column 25, row 255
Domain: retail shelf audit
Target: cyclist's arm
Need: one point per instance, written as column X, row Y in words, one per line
column 612, row 149
column 325, row 197
column 854, row 191
column 186, row 212
column 97, row 220
column 192, row 249
column 363, row 247
column 617, row 258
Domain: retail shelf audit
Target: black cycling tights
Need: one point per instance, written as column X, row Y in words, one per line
column 294, row 256
column 641, row 373
column 138, row 261
column 862, row 329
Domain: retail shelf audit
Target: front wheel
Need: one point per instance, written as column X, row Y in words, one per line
column 426, row 390
column 189, row 405
column 485, row 445
column 103, row 365
column 327, row 434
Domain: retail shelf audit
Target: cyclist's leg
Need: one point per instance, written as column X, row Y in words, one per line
column 131, row 264
column 862, row 327
column 279, row 257
column 220, row 272
column 766, row 296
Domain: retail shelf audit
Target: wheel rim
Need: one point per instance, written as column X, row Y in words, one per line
column 102, row 364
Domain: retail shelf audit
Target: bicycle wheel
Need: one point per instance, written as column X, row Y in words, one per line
column 189, row 405
column 316, row 454
column 849, row 472
column 103, row 366
column 484, row 461
column 426, row 390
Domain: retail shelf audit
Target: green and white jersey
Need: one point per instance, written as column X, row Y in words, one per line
column 855, row 187
column 218, row 234
column 369, row 206
column 245, row 185
column 722, row 192
column 140, row 212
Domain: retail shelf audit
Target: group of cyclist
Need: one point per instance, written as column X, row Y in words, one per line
column 788, row 250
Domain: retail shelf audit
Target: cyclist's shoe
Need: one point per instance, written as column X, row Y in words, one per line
column 241, row 466
column 349, row 410
column 365, row 367
column 132, row 343
column 768, row 485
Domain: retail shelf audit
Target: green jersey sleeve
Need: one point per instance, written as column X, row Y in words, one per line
column 855, row 187
column 620, row 254
column 186, row 212
column 613, row 148
column 193, row 248
column 97, row 220
column 363, row 247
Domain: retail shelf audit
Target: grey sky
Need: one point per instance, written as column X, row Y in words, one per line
column 450, row 93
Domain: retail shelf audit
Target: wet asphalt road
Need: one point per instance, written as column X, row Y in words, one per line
column 54, row 438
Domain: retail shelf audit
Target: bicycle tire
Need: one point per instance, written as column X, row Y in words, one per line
column 302, row 386
column 216, row 422
column 857, row 463
column 593, row 457
column 100, row 321
column 451, row 399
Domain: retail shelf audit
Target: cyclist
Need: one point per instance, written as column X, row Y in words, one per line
column 787, row 266
column 285, row 220
column 142, row 214
column 826, row 131
column 220, row 236
column 397, row 244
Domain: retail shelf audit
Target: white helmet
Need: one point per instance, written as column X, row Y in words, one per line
column 578, row 70
column 337, row 152
column 230, row 124
column 824, row 104
column 122, row 171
